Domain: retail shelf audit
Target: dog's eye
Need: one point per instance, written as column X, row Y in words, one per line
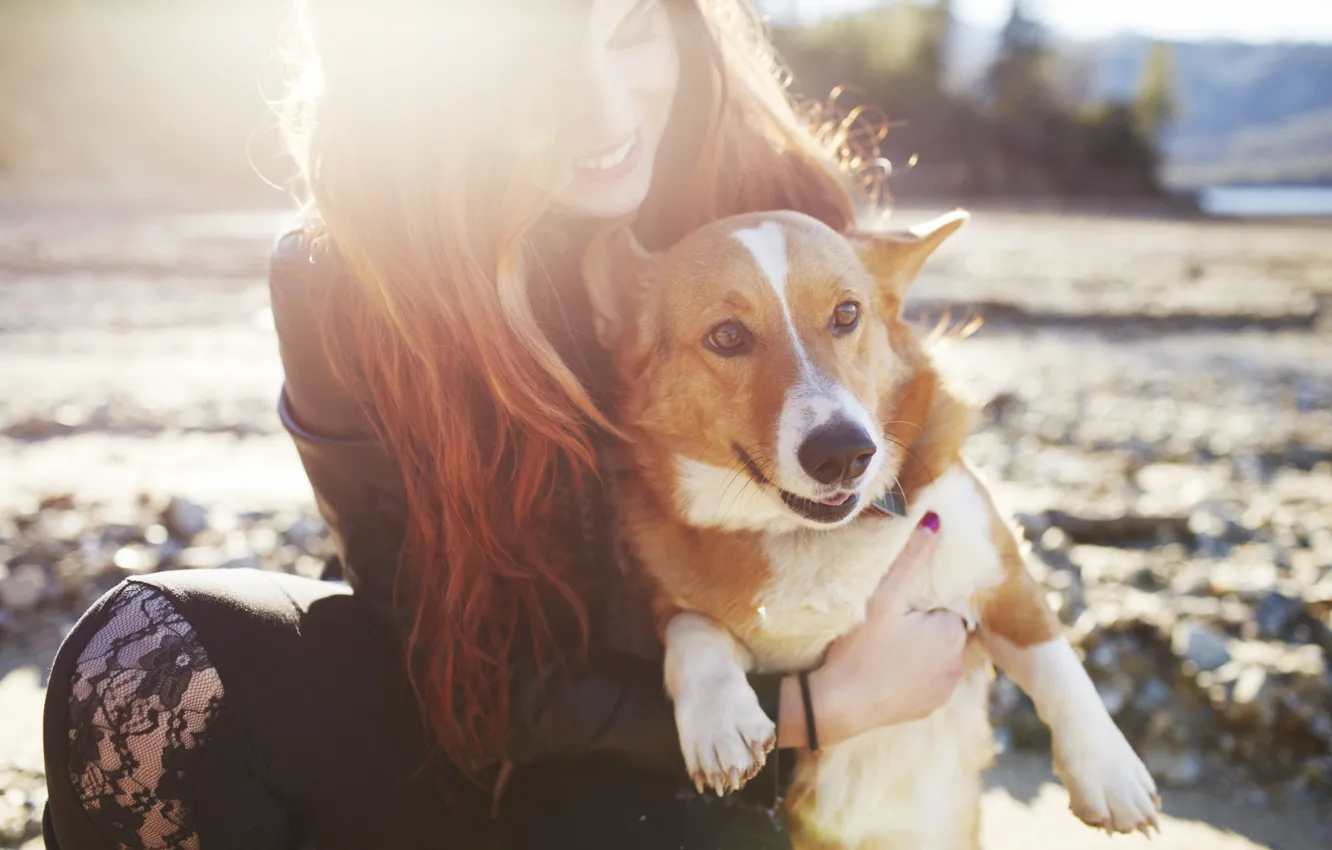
column 846, row 316
column 728, row 338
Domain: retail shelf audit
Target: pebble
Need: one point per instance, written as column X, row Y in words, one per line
column 263, row 539
column 1276, row 613
column 306, row 533
column 1169, row 767
column 199, row 557
column 19, row 820
column 184, row 519
column 23, row 587
column 1252, row 697
column 1201, row 646
column 1153, row 696
column 135, row 559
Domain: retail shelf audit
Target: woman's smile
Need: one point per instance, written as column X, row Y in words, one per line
column 612, row 164
column 618, row 103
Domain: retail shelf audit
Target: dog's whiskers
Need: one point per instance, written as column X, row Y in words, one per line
column 906, row 447
column 917, row 425
column 740, row 471
column 752, row 460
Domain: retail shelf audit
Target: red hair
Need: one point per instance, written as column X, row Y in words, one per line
column 439, row 334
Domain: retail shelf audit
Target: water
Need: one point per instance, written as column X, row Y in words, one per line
column 1267, row 201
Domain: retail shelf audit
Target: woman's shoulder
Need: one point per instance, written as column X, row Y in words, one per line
column 305, row 273
column 302, row 270
column 304, row 258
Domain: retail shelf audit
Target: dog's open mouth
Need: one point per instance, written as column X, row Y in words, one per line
column 833, row 509
column 821, row 511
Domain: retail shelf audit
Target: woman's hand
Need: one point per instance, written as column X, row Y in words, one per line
column 897, row 666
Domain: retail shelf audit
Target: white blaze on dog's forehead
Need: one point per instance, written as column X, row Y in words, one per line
column 767, row 245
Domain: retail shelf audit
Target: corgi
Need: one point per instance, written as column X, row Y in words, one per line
column 772, row 397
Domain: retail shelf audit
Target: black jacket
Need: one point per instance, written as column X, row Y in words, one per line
column 619, row 708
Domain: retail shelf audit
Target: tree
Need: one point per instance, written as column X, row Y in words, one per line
column 1156, row 105
column 1033, row 129
column 1016, row 81
column 931, row 59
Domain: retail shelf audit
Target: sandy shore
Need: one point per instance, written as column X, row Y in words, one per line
column 138, row 356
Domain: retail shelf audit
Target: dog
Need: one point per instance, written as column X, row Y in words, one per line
column 772, row 398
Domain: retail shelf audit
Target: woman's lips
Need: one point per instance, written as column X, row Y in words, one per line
column 611, row 164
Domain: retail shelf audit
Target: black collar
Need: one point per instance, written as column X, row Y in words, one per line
column 891, row 503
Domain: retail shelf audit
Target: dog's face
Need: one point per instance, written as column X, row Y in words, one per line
column 758, row 359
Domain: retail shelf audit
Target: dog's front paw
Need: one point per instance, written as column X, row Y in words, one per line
column 725, row 735
column 1108, row 785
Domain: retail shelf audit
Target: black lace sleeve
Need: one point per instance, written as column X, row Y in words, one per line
column 144, row 697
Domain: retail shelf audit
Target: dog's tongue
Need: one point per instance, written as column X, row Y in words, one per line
column 835, row 501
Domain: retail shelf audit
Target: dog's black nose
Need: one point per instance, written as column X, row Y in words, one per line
column 840, row 452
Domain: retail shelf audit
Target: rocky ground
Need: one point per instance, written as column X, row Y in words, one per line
column 1158, row 414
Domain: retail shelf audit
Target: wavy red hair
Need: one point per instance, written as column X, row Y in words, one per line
column 396, row 135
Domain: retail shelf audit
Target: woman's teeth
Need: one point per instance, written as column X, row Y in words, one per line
column 608, row 161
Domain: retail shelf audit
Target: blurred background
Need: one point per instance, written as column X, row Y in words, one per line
column 1151, row 256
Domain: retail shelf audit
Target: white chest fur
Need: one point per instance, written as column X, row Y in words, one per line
column 823, row 580
column 915, row 782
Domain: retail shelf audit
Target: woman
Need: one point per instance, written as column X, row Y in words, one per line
column 444, row 395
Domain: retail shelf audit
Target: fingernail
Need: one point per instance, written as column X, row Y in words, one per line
column 930, row 521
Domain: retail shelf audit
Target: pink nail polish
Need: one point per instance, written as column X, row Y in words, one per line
column 930, row 521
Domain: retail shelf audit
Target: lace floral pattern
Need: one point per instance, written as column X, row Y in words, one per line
column 143, row 699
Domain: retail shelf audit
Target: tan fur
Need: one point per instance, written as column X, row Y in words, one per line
column 1017, row 609
column 675, row 551
column 719, row 538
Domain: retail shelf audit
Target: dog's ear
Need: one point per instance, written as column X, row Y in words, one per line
column 613, row 268
column 895, row 257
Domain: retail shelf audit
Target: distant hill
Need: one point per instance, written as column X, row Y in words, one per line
column 1249, row 112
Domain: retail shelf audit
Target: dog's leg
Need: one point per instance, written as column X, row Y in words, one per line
column 1108, row 785
column 724, row 733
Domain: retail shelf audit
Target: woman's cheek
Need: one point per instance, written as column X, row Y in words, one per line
column 652, row 71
